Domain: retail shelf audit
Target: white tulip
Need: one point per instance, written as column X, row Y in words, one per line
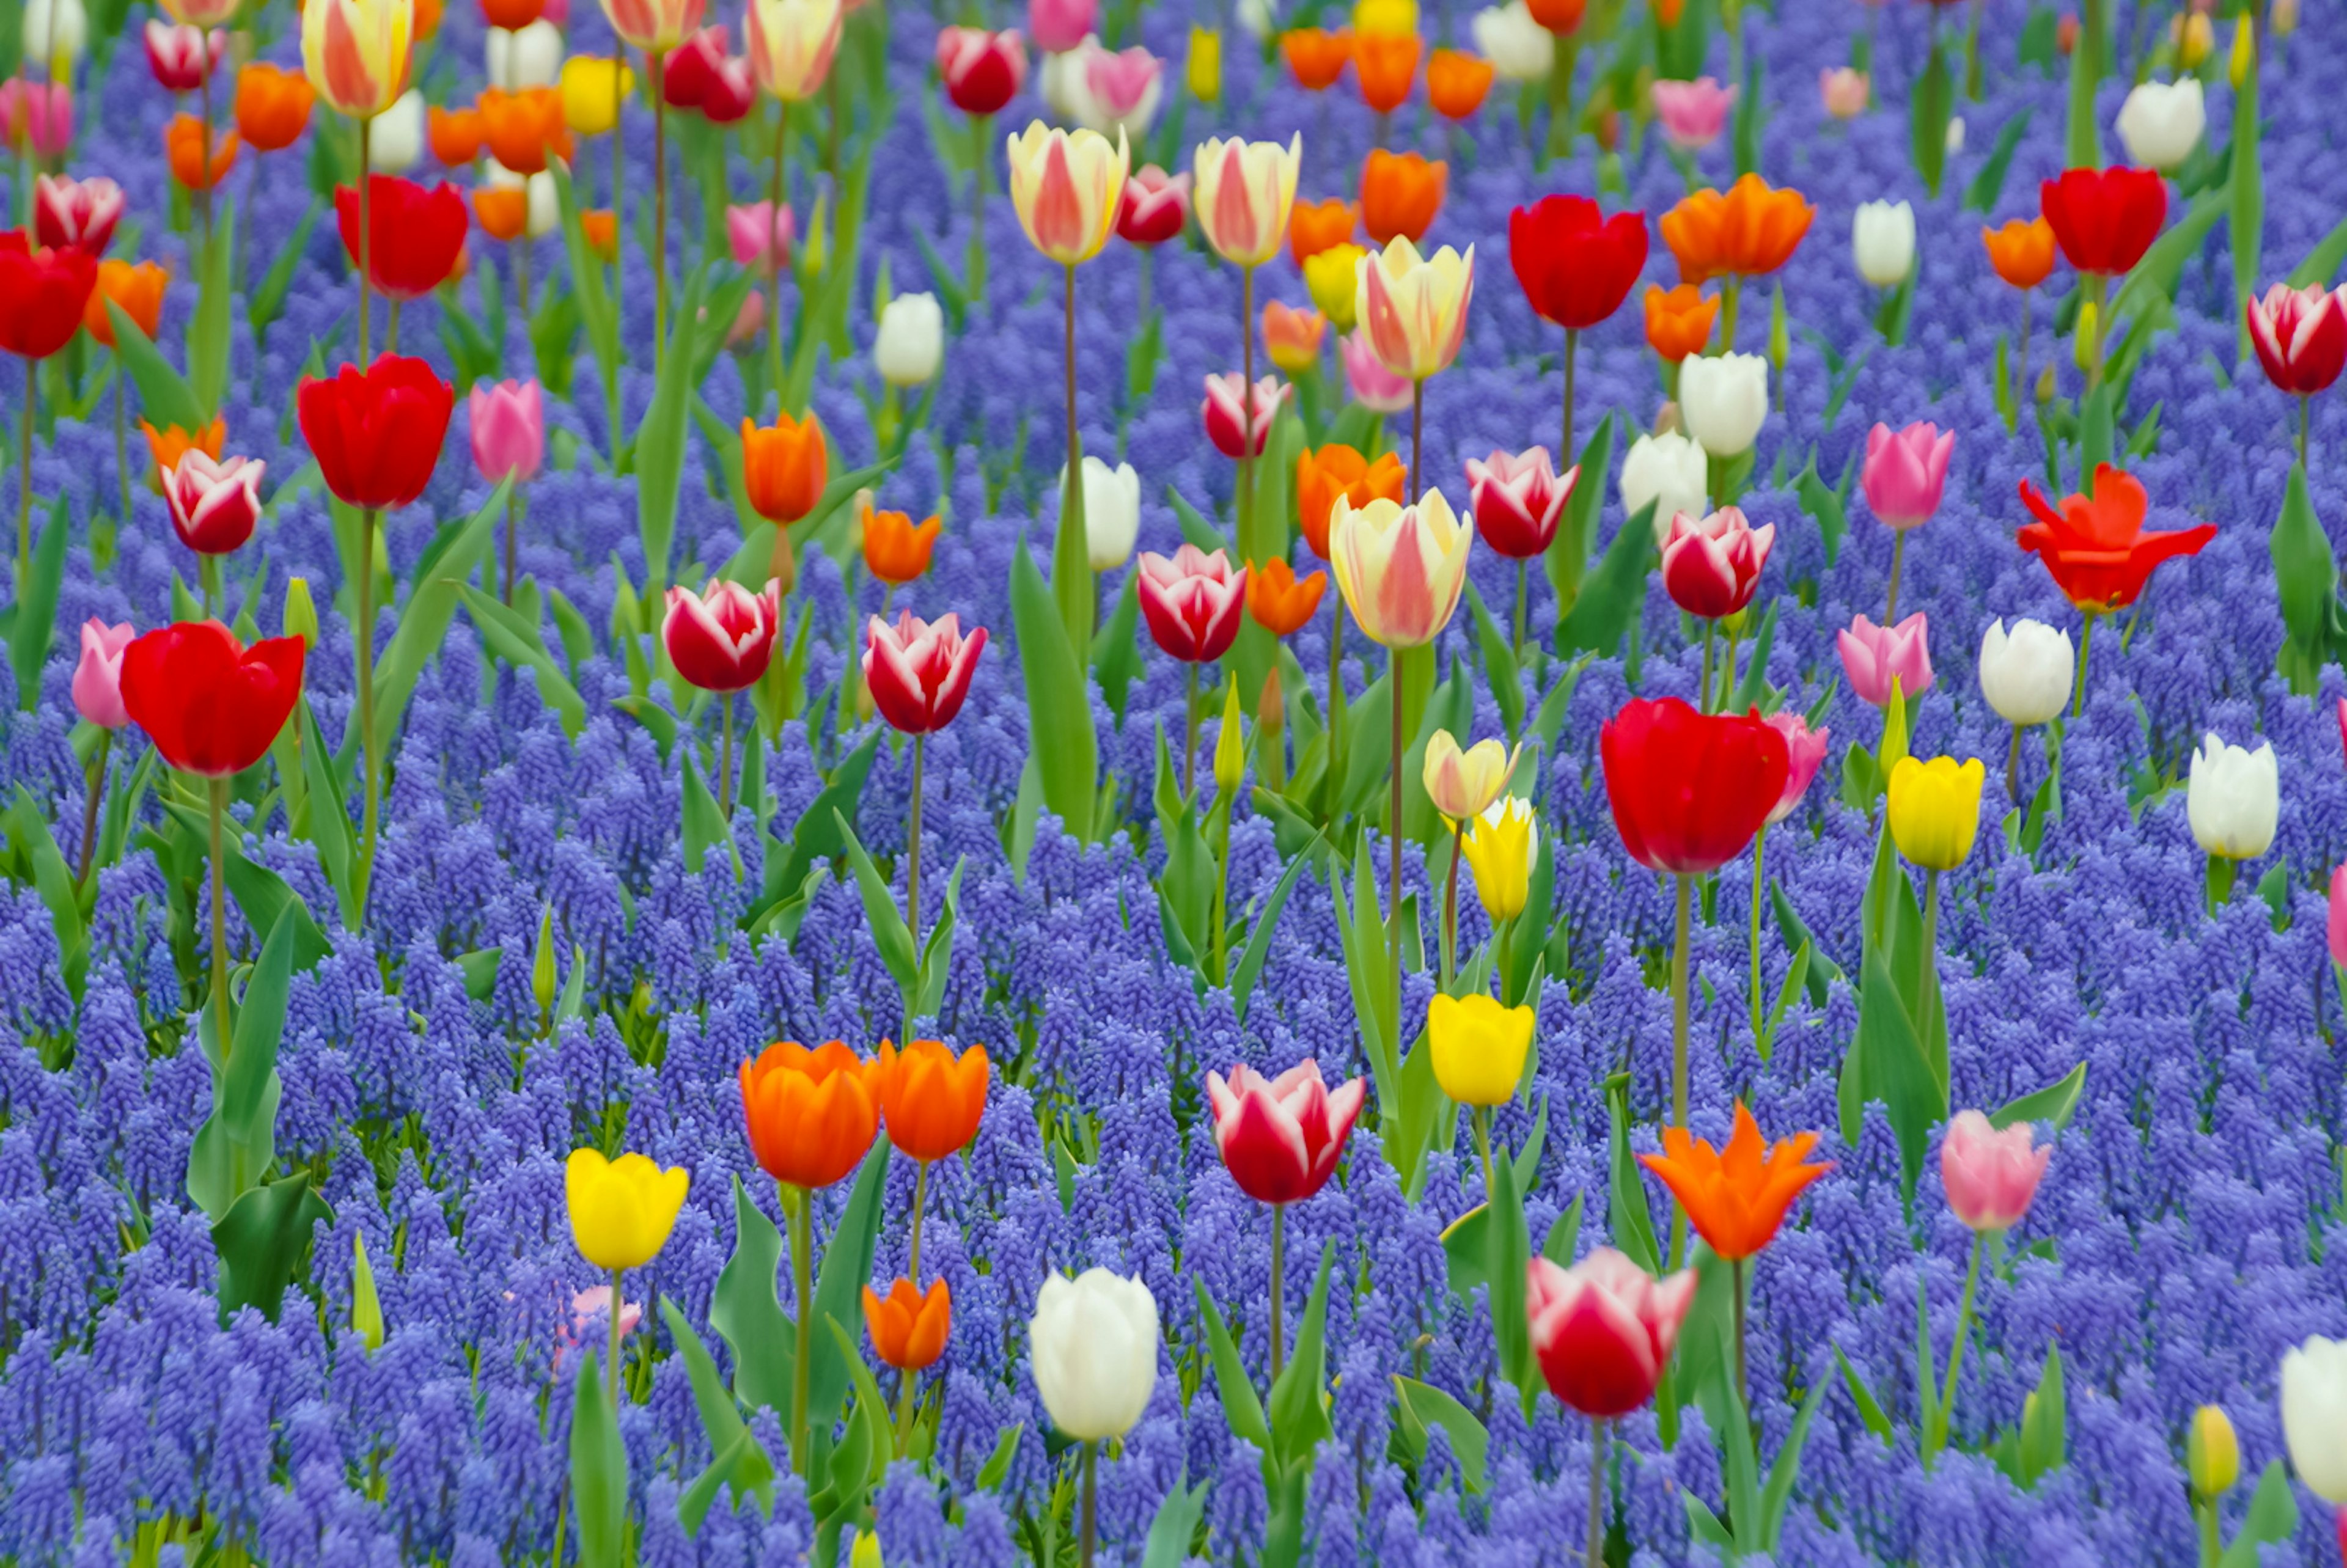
column 912, row 340
column 2314, row 1416
column 530, row 56
column 1954, row 140
column 1111, row 511
column 1093, row 1346
column 1723, row 399
column 1668, row 470
column 396, row 138
column 1882, row 238
column 2161, row 123
column 2234, row 799
column 544, row 206
column 1520, row 49
column 2026, row 673
column 1255, row 18
column 55, row 33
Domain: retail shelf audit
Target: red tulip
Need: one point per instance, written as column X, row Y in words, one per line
column 182, row 56
column 414, row 235
column 213, row 505
column 700, row 75
column 1689, row 789
column 1574, row 266
column 77, row 213
column 2105, row 219
column 1602, row 1329
column 983, row 71
column 1712, row 564
column 1154, row 208
column 918, row 672
column 377, row 433
column 722, row 638
column 43, row 292
column 2096, row 548
column 1281, row 1137
column 2301, row 336
column 1233, row 432
column 1194, row 601
column 1517, row 501
column 211, row 705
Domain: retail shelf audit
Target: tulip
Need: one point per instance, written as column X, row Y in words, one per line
column 1736, row 1197
column 1935, row 813
column 515, row 207
column 1291, row 337
column 1202, row 70
column 622, row 1210
column 1106, row 90
column 36, row 117
column 759, row 234
column 1603, row 1330
column 1384, row 67
column 784, row 466
column 1236, row 433
column 376, row 434
column 894, row 551
column 1154, row 208
column 1712, row 564
column 1314, row 227
column 1874, row 656
column 1478, row 1048
column 1750, row 231
column 1400, row 568
column 97, row 678
column 1991, row 1177
column 1092, row 1351
column 1191, row 601
column 911, row 341
column 2021, row 252
column 455, row 135
column 1413, row 310
column 2313, row 1414
column 721, row 639
column 1844, row 92
column 983, row 71
column 138, row 290
column 1668, row 470
column 908, row 1326
column 1401, row 194
column 55, row 32
column 2162, row 122
column 1575, row 267
column 1329, row 276
column 653, row 25
column 200, row 158
column 529, row 55
column 214, row 506
column 590, row 95
column 77, row 213
column 2301, row 336
column 273, row 106
column 1366, row 379
column 2212, row 1454
column 508, row 428
column 1463, row 784
column 1520, row 49
column 1280, row 603
column 1059, row 25
column 1517, row 501
column 1724, row 400
column 1244, row 191
column 2234, row 800
column 414, row 235
column 1882, row 241
column 791, row 44
column 1693, row 113
column 1111, row 512
column 2104, row 219
column 933, row 1100
column 1905, row 472
column 2026, row 676
column 1315, row 57
column 182, row 57
column 1500, row 848
column 1678, row 321
column 918, row 672
column 355, row 53
column 1338, row 472
column 1280, row 1139
column 2095, row 547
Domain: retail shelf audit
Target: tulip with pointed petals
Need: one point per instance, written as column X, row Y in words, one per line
column 1518, row 500
column 908, row 1326
column 1462, row 784
column 214, row 504
column 1905, row 472
column 75, row 214
column 1067, row 187
column 1500, row 848
column 355, row 53
column 2233, row 804
column 2301, row 336
column 1735, row 1196
column 918, row 672
column 1400, row 568
column 2095, row 547
column 1281, row 1137
column 622, row 1210
column 1872, row 656
column 1413, row 309
column 182, row 57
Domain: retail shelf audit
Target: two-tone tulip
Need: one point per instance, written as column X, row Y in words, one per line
column 1400, row 568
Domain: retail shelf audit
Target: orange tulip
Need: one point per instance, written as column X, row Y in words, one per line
column 455, row 134
column 1279, row 600
column 503, row 209
column 428, row 19
column 511, row 15
column 1385, row 64
column 1401, row 194
column 784, row 466
column 137, row 290
column 602, row 231
column 1559, row 16
column 908, row 1328
column 1736, row 1197
column 1666, row 13
column 1338, row 470
column 273, row 106
column 171, row 444
column 1316, row 56
column 896, row 552
column 933, row 1101
column 1678, row 320
column 1456, row 83
column 811, row 1114
column 2022, row 252
column 524, row 129
column 185, row 140
column 1751, row 231
column 1291, row 337
column 1316, row 226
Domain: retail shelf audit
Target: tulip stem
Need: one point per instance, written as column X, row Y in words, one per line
column 657, row 59
column 1088, row 1529
column 613, row 1358
column 1936, row 1437
column 24, row 487
column 1450, row 909
column 1278, row 1286
column 1524, row 592
column 1393, row 842
column 2304, row 404
column 2078, row 685
column 2013, row 768
column 1479, row 1121
column 1190, row 729
column 1738, row 1273
column 1729, row 293
column 1759, row 884
column 1927, row 966
column 1679, row 1005
column 121, row 440
column 975, row 278
column 218, row 799
column 95, row 789
column 1728, row 674
column 909, row 1377
column 2096, row 287
column 1246, row 501
column 364, row 639
column 1072, row 552
column 776, row 198
column 1597, row 1493
column 2021, row 387
column 366, row 191
column 725, row 757
column 511, row 495
column 798, row 1207
column 1416, row 436
column 1703, row 691
column 204, row 146
column 1335, row 701
column 1571, row 359
column 913, row 919
column 1898, row 559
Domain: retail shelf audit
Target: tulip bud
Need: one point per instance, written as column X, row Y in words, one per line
column 366, row 1306
column 300, row 615
column 818, row 238
column 2213, row 1453
column 1230, row 745
column 1724, row 400
column 2281, row 17
column 866, row 1554
column 1780, row 338
column 541, row 966
column 2089, row 335
column 2192, row 35
column 2045, row 386
column 911, row 340
column 1205, row 64
column 2313, row 1401
column 1882, row 241
column 2233, row 799
column 1092, row 1346
column 2245, row 53
column 2027, row 674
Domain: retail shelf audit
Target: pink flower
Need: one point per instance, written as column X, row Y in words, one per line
column 1712, row 564
column 1805, row 753
column 1373, row 386
column 752, row 226
column 746, row 323
column 1518, row 500
column 1235, row 430
column 983, row 71
column 1905, row 471
column 721, row 639
column 1280, row 1137
column 508, row 429
column 1154, row 208
column 1845, row 92
column 591, row 1309
column 97, row 679
column 1059, row 25
column 36, row 117
column 214, row 504
column 1871, row 655
column 1693, row 113
column 1120, row 86
column 182, row 56
column 1991, row 1176
column 2301, row 336
column 1602, row 1329
column 2335, row 929
column 918, row 672
column 1194, row 601
column 78, row 214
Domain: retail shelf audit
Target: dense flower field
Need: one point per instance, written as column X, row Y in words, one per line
column 1836, row 613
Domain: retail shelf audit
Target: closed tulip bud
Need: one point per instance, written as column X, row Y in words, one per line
column 1067, row 187
column 1603, row 1330
column 2213, row 1453
column 1371, row 385
column 97, row 678
column 908, row 1328
column 1281, row 1137
column 622, row 1210
column 1517, row 501
column 1463, row 784
column 543, row 976
column 529, row 57
column 2026, row 673
column 1111, row 511
column 2233, row 800
column 2045, row 384
column 1724, row 399
column 1501, row 847
column 917, row 672
column 1478, row 1047
column 2245, row 53
column 1239, row 422
column 1934, row 810
column 2083, row 351
column 1413, row 309
column 2192, row 37
column 911, row 343
column 1204, row 70
column 811, row 1114
column 1844, row 91
column 1692, row 114
column 2281, row 17
column 1882, row 239
column 55, row 32
column 301, row 614
column 932, row 1098
column 591, row 97
column 721, row 639
column 1192, row 602
column 1230, row 743
column 2313, row 1414
column 1291, row 337
column 866, row 1552
column 1668, row 470
column 1093, row 1349
column 1805, row 753
column 1906, row 472
column 1991, row 1176
column 1328, row 275
column 355, row 54
column 1874, row 657
column 2162, row 122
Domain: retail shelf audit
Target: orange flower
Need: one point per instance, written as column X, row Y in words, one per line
column 896, row 552
column 455, row 134
column 1678, row 320
column 1736, row 1197
column 1291, row 337
column 171, row 444
column 1559, row 16
column 1338, row 470
column 185, row 139
column 1279, row 600
column 428, row 19
column 933, row 1101
column 784, row 466
column 602, row 231
column 1401, row 194
column 2022, row 252
column 137, row 290
column 524, row 129
column 1751, row 230
column 511, row 15
column 1385, row 64
column 811, row 1114
column 1456, row 83
column 1317, row 57
column 1315, row 226
column 503, row 209
column 908, row 1328
column 1666, row 13
column 273, row 106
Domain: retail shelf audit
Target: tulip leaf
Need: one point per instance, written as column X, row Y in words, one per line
column 871, row 1408
column 659, row 440
column 839, row 1288
column 208, row 332
column 1862, row 1395
column 2082, row 145
column 1299, row 1406
column 2305, row 573
column 1195, row 529
column 2044, row 1429
column 889, row 933
column 2246, row 220
column 1242, row 1409
column 2323, row 262
column 1363, row 933
column 236, row 1148
column 1508, row 1247
column 2053, row 1103
column 1824, row 507
column 736, row 1468
column 587, row 277
column 1116, row 648
column 1886, row 1062
column 36, row 616
column 328, row 820
column 599, row 1473
column 991, row 1474
column 505, row 636
column 1422, row 1404
column 28, row 836
column 2163, row 265
column 936, row 953
column 1367, row 751
column 1176, row 1525
column 431, row 608
column 1930, row 101
column 165, row 399
column 260, row 1241
column 1257, row 950
column 1614, row 598
column 1629, row 1222
column 746, row 1310
column 1568, row 549
column 1988, row 184
column 1060, row 736
column 705, row 826
column 1779, row 1492
column 1499, row 671
column 816, row 835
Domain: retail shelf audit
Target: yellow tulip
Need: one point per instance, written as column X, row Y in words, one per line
column 1935, row 810
column 1414, row 307
column 1243, row 192
column 355, row 53
column 1386, row 18
column 622, row 1210
column 791, row 44
column 1330, row 275
column 1066, row 187
column 1478, row 1047
column 1205, row 64
column 1400, row 568
column 591, row 105
column 2245, row 54
column 2213, row 1453
column 1501, row 847
column 1461, row 785
column 2192, row 37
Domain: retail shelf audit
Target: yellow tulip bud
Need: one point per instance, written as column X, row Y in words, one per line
column 1478, row 1047
column 865, row 1553
column 2213, row 1453
column 817, row 246
column 300, row 615
column 1230, row 745
column 1935, row 810
column 622, row 1210
column 1501, row 847
column 1206, row 65
column 1329, row 275
column 542, row 975
column 366, row 1306
column 2281, row 17
column 2192, row 37
column 2245, row 54
column 590, row 99
column 2083, row 347
column 2045, row 386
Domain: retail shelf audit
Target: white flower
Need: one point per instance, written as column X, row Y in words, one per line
column 529, row 57
column 2314, row 1416
column 396, row 138
column 1111, row 511
column 1882, row 238
column 1255, row 18
column 912, row 340
column 2162, row 122
column 2234, row 799
column 1668, row 470
column 55, row 32
column 1093, row 1348
column 2026, row 673
column 1723, row 399
column 544, row 206
column 1954, row 140
column 1520, row 49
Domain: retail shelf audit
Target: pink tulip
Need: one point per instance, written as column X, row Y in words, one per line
column 591, row 1308
column 77, row 214
column 1281, row 1137
column 2301, row 336
column 508, row 429
column 1991, row 1176
column 1373, row 386
column 1693, row 113
column 1155, row 207
column 1121, row 84
column 1059, row 25
column 1905, row 471
column 214, row 504
column 747, row 321
column 1518, row 500
column 36, row 117
column 1872, row 655
column 1845, row 92
column 918, row 672
column 1602, row 1329
column 1192, row 602
column 1712, row 564
column 1805, row 753
column 1235, row 430
column 752, row 226
column 182, row 56
column 97, row 679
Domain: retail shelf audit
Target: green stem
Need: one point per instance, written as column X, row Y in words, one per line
column 1898, row 559
column 1927, row 965
column 913, row 884
column 1973, row 77
column 909, row 1379
column 1596, row 1494
column 1219, row 959
column 658, row 60
column 1759, row 883
column 1189, row 730
column 976, row 279
column 366, row 254
column 218, row 793
column 1245, row 506
column 1393, row 841
column 1941, row 1417
column 2204, row 1511
column 1703, row 691
column 1523, row 596
column 1478, row 1121
column 25, row 487
column 776, row 198
column 1336, row 778
column 365, row 641
column 799, row 1204
column 612, row 1360
column 1417, row 441
column 1730, row 296
column 1739, row 1273
column 1571, row 360
column 2097, row 288
column 2304, row 404
column 1089, row 1531
column 2013, row 768
column 725, row 766
column 92, row 793
column 2078, row 683
column 1727, row 672
column 510, row 494
column 1450, row 909
column 1679, row 1004
column 1278, row 1288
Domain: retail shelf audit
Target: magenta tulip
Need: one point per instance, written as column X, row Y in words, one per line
column 1905, row 471
column 751, row 227
column 97, row 679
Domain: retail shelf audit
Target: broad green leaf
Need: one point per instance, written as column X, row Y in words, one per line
column 208, row 344
column 1299, row 1406
column 1242, row 1409
column 838, row 1290
column 2246, row 216
column 1787, row 1470
column 1628, row 1219
column 1568, row 551
column 746, row 1310
column 165, row 399
column 1610, row 604
column 431, row 608
column 1988, row 184
column 236, row 1148
column 599, row 1473
column 705, row 827
column 889, row 929
column 2054, row 1104
column 1929, row 101
column 1061, row 739
column 261, row 1242
column 36, row 614
column 2272, row 1519
column 1869, row 1409
column 1175, row 1526
column 659, row 441
column 1258, row 943
column 1421, row 1406
column 505, row 637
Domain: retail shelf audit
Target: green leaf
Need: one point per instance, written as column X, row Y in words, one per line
column 1981, row 195
column 165, row 399
column 36, row 614
column 1299, row 1406
column 1421, row 1406
column 1869, row 1409
column 505, row 637
column 587, row 277
column 997, row 1463
column 1508, row 1244
column 236, row 1148
column 1752, row 685
column 1116, row 651
column 659, row 441
column 2246, row 218
column 431, row 608
column 1175, row 1526
column 1605, row 610
column 599, row 1473
column 889, row 929
column 260, row 1241
column 1242, row 1409
column 2323, row 262
column 2045, row 1421
column 1499, row 671
column 2081, row 146
column 1061, row 739
column 1779, row 1491
column 267, row 302
column 1929, row 101
column 936, row 953
column 838, row 1289
column 328, row 820
column 2304, row 574
column 1628, row 1218
column 1258, row 943
column 746, row 1310
column 208, row 342
column 2272, row 1517
column 1824, row 507
column 704, row 826
column 2163, row 265
column 2054, row 1104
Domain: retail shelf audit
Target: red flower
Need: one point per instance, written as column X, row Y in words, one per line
column 1194, row 601
column 2301, row 336
column 1574, row 266
column 43, row 292
column 214, row 504
column 2105, row 219
column 1153, row 207
column 211, row 705
column 377, row 433
column 918, row 672
column 1519, row 500
column 1689, row 789
column 1280, row 1137
column 1712, row 564
column 80, row 213
column 722, row 637
column 699, row 75
column 2096, row 549
column 414, row 235
column 983, row 71
column 1602, row 1329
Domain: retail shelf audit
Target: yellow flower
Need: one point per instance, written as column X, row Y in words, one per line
column 1400, row 568
column 791, row 44
column 1413, row 307
column 1935, row 810
column 355, row 53
column 622, row 1210
column 1205, row 65
column 1388, row 18
column 1330, row 275
column 1243, row 192
column 865, row 1553
column 2245, row 54
column 1501, row 847
column 2191, row 36
column 2212, row 1454
column 1478, row 1047
column 1461, row 785
column 591, row 105
column 1066, row 186
column 1230, row 746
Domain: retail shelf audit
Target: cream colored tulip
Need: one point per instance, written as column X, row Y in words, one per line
column 791, row 45
column 1400, row 568
column 355, row 53
column 1463, row 784
column 1413, row 308
column 1066, row 187
column 1243, row 192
